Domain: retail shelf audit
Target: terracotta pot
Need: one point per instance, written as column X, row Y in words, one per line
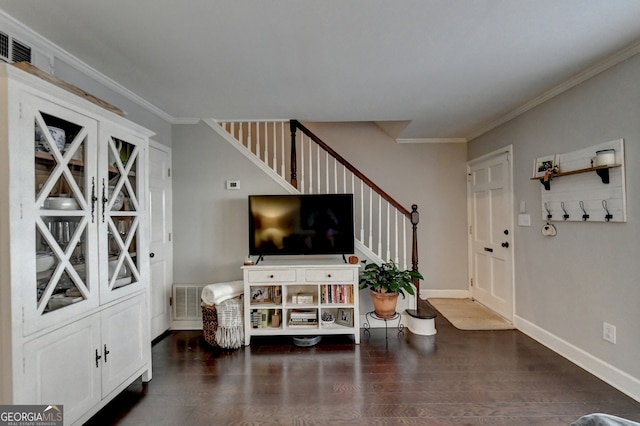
column 384, row 304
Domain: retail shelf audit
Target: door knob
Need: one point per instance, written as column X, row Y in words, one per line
column 505, row 244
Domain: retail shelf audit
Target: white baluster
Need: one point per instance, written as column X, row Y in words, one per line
column 326, row 172
column 318, row 166
column 395, row 230
column 362, row 212
column 310, row 168
column 335, row 176
column 233, row 129
column 282, row 153
column 274, row 144
column 379, row 253
column 370, row 219
column 388, row 242
column 301, row 173
column 249, row 141
column 404, row 242
column 241, row 133
column 266, row 143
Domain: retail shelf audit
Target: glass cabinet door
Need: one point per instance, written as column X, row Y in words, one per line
column 63, row 145
column 122, row 208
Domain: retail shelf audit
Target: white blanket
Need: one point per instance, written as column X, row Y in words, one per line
column 230, row 331
column 214, row 294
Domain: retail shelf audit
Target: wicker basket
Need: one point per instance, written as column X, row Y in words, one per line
column 209, row 324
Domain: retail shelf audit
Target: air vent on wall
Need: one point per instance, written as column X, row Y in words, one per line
column 20, row 52
column 4, row 46
column 12, row 50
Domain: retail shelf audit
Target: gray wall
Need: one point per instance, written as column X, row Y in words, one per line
column 429, row 175
column 134, row 111
column 210, row 222
column 570, row 284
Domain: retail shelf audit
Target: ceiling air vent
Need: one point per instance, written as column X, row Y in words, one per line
column 20, row 52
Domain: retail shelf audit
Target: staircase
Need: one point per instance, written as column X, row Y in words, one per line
column 302, row 163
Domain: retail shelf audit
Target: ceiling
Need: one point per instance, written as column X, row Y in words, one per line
column 426, row 68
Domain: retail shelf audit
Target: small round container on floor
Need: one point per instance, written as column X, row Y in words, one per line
column 306, row 340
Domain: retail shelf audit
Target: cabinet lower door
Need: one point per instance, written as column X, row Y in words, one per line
column 61, row 368
column 125, row 340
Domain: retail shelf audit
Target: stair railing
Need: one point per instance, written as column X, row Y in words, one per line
column 385, row 229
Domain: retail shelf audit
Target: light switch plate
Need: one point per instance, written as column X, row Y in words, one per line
column 524, row 219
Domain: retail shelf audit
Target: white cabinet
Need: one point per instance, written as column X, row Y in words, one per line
column 290, row 298
column 74, row 322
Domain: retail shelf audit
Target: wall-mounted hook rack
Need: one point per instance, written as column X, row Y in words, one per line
column 565, row 216
column 576, row 181
column 608, row 216
column 585, row 216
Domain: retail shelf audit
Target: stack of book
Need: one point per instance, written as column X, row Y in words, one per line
column 303, row 318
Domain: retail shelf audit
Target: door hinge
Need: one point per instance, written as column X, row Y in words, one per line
column 170, row 300
column 471, row 282
column 169, row 236
column 169, row 172
column 470, row 229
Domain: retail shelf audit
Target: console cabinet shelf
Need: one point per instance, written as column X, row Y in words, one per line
column 283, row 299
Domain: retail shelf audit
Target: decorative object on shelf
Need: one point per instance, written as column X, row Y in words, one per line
column 543, row 164
column 345, row 317
column 327, row 318
column 385, row 282
column 353, row 260
column 605, row 157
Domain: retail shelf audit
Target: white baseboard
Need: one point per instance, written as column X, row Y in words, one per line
column 186, row 325
column 444, row 294
column 622, row 381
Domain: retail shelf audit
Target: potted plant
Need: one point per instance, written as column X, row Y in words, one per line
column 385, row 282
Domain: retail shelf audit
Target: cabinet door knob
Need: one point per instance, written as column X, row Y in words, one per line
column 328, row 275
column 152, row 254
column 270, row 276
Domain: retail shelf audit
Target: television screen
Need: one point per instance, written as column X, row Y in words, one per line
column 301, row 224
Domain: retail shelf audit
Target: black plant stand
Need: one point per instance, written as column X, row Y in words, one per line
column 373, row 315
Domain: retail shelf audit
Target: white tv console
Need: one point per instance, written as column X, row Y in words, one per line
column 288, row 298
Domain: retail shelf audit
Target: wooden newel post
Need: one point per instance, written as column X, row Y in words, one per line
column 294, row 164
column 415, row 218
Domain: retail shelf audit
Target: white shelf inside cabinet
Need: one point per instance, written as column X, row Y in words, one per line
column 295, row 278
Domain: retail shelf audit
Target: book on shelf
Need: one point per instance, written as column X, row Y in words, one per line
column 337, row 293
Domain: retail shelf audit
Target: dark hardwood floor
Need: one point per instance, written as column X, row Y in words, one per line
column 453, row 378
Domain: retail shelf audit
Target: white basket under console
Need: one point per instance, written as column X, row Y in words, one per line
column 289, row 299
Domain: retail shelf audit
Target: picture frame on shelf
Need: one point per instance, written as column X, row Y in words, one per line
column 260, row 295
column 542, row 164
column 345, row 317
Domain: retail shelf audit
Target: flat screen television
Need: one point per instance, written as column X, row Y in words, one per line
column 309, row 224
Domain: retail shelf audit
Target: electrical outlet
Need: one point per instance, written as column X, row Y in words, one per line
column 609, row 332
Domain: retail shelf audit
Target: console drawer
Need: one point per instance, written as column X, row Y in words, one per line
column 330, row 275
column 272, row 276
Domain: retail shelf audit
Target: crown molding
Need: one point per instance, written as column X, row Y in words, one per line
column 431, row 140
column 599, row 67
column 52, row 50
column 185, row 120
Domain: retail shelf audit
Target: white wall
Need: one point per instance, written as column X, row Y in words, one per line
column 568, row 285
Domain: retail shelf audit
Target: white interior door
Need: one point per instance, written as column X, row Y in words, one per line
column 491, row 231
column 161, row 251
